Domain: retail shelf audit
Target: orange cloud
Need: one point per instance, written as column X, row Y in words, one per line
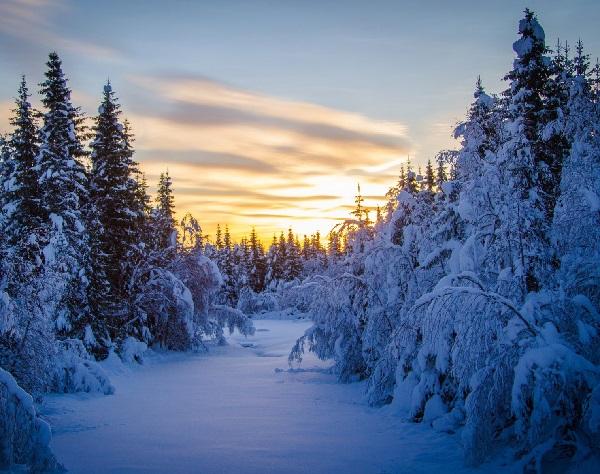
column 247, row 159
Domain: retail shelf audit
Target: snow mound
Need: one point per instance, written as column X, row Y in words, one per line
column 77, row 371
column 24, row 437
column 256, row 303
column 133, row 350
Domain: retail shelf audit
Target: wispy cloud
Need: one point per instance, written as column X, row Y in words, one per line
column 5, row 110
column 32, row 22
column 251, row 159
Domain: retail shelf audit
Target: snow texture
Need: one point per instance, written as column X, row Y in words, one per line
column 239, row 409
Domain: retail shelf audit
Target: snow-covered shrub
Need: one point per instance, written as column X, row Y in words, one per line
column 24, row 437
column 132, row 350
column 28, row 344
column 169, row 308
column 202, row 278
column 337, row 307
column 552, row 386
column 298, row 296
column 232, row 318
column 251, row 303
column 174, row 307
column 77, row 371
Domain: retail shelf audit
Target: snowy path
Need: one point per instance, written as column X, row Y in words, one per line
column 231, row 412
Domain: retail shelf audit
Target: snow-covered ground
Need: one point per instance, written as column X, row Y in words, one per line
column 239, row 410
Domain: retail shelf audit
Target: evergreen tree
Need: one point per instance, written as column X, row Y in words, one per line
column 293, row 262
column 166, row 235
column 256, row 278
column 63, row 180
column 334, row 246
column 532, row 163
column 280, row 269
column 273, row 271
column 22, row 199
column 359, row 211
column 429, row 177
column 392, row 194
column 219, row 238
column 191, row 234
column 227, row 239
column 410, row 184
column 114, row 210
column 440, row 176
column 227, row 268
column 244, row 265
column 307, row 249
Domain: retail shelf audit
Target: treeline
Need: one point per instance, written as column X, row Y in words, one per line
column 89, row 264
column 473, row 306
column 249, row 264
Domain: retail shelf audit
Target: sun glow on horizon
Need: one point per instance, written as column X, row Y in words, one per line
column 248, row 160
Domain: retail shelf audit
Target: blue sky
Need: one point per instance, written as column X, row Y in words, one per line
column 269, row 112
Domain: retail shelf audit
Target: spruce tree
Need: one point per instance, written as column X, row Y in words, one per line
column 115, row 210
column 271, row 264
column 219, row 238
column 429, row 177
column 280, row 269
column 227, row 239
column 307, row 250
column 320, row 250
column 256, row 278
column 5, row 172
column 114, row 188
column 440, row 175
column 359, row 211
column 191, row 234
column 410, row 183
column 227, row 268
column 63, row 180
column 334, row 246
column 532, row 163
column 293, row 261
column 166, row 234
column 22, row 200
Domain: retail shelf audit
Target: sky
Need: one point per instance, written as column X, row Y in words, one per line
column 269, row 113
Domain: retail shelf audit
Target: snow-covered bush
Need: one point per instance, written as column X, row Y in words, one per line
column 202, row 278
column 24, row 437
column 169, row 310
column 338, row 312
column 252, row 303
column 77, row 371
column 231, row 318
column 175, row 306
column 27, row 344
column 132, row 350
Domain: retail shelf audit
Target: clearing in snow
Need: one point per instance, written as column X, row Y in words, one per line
column 239, row 409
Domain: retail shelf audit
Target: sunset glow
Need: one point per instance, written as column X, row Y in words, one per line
column 259, row 161
column 274, row 135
